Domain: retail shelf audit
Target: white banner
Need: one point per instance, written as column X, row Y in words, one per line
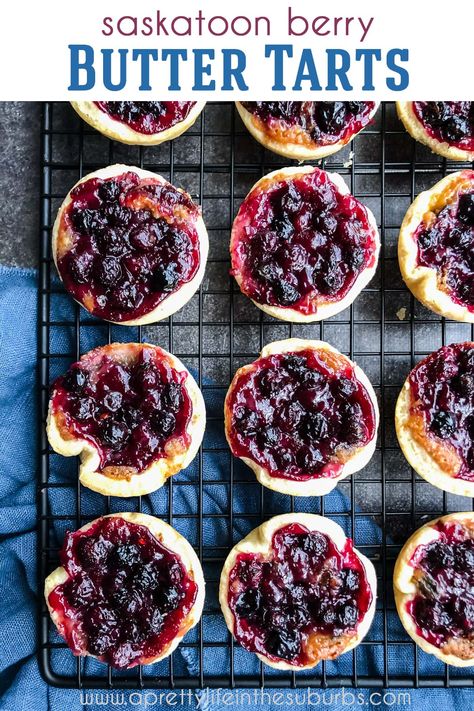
column 210, row 49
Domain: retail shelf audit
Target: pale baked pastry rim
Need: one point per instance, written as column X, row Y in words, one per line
column 325, row 309
column 405, row 589
column 156, row 474
column 423, row 281
column 417, row 456
column 315, row 486
column 293, row 149
column 172, row 540
column 259, row 541
column 119, row 131
column 418, row 131
column 176, row 299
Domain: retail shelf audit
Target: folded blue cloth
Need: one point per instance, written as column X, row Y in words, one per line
column 21, row 686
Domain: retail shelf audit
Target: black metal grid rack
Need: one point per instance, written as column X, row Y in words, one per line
column 218, row 500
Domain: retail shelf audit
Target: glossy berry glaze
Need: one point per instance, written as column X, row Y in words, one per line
column 298, row 417
column 324, row 122
column 127, row 595
column 447, row 245
column 442, row 391
column 134, row 242
column 148, row 117
column 301, row 243
column 285, row 603
column 128, row 411
column 443, row 607
column 448, row 121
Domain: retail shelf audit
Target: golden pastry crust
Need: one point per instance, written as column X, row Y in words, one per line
column 122, row 481
column 62, row 242
column 355, row 461
column 325, row 309
column 459, row 653
column 417, row 131
column 424, row 282
column 291, row 142
column 119, row 131
column 436, row 462
column 172, row 540
column 260, row 541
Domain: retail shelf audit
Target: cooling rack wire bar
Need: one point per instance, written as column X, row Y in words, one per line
column 218, row 500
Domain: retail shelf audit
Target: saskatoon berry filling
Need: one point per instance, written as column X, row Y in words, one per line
column 148, row 117
column 443, row 607
column 447, row 245
column 287, row 604
column 299, row 418
column 127, row 595
column 301, row 243
column 324, row 122
column 134, row 242
column 129, row 412
column 442, row 392
column 448, row 121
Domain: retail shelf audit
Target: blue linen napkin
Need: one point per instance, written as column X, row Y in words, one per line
column 21, row 686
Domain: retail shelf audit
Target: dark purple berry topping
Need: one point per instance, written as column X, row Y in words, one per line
column 301, row 243
column 299, row 415
column 443, row 607
column 147, row 117
column 324, row 122
column 128, row 410
column 448, row 121
column 442, row 392
column 290, row 604
column 125, row 244
column 127, row 595
column 446, row 244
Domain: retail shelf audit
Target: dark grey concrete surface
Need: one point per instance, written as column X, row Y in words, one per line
column 19, row 182
column 211, row 344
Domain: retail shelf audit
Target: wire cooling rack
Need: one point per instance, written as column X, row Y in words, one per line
column 217, row 500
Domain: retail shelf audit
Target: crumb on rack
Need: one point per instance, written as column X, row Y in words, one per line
column 348, row 163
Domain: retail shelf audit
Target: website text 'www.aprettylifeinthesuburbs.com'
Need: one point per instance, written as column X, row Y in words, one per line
column 218, row 698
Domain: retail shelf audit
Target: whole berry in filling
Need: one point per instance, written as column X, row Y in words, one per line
column 301, row 243
column 298, row 418
column 128, row 411
column 126, row 596
column 132, row 242
column 147, row 117
column 443, row 607
column 450, row 121
column 324, row 122
column 285, row 603
column 442, row 392
column 447, row 245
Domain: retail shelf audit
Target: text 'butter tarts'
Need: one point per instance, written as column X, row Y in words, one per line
column 132, row 412
column 129, row 246
column 295, row 591
column 128, row 589
column 302, row 416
